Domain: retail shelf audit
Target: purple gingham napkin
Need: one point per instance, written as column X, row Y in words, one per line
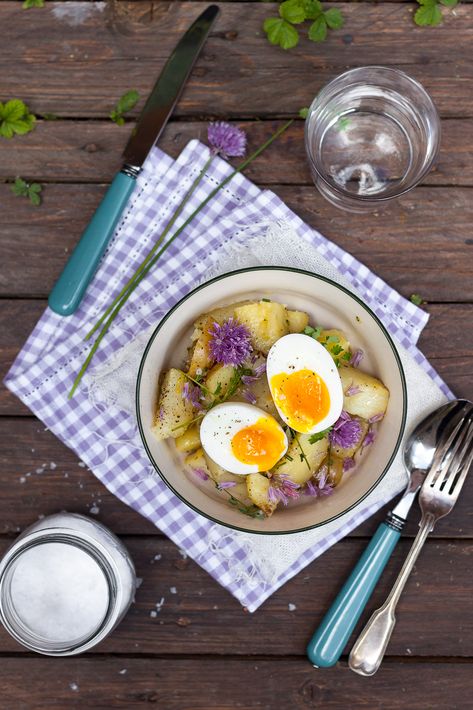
column 106, row 438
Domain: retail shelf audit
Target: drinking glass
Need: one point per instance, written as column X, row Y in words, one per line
column 371, row 135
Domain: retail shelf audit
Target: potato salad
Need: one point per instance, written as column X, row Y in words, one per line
column 269, row 408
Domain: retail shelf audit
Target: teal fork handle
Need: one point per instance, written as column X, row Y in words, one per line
column 82, row 265
column 327, row 644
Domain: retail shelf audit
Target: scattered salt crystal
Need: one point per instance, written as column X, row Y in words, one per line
column 52, row 466
column 40, row 517
column 291, row 607
column 39, row 470
column 81, row 464
column 160, row 604
column 123, row 671
column 156, row 558
column 22, row 479
column 94, row 509
column 74, row 687
column 173, row 590
column 215, row 606
column 183, row 554
column 66, row 475
column 139, row 582
column 153, row 614
column 408, row 651
column 33, row 450
column 28, row 474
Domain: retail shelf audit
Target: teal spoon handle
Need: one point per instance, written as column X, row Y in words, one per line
column 327, row 644
column 72, row 284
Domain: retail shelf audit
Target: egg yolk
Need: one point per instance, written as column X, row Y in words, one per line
column 261, row 444
column 302, row 397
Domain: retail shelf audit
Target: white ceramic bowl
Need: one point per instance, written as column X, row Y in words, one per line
column 328, row 304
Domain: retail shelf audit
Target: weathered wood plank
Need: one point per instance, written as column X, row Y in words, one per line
column 39, row 476
column 198, row 684
column 88, row 58
column 422, row 243
column 82, row 151
column 198, row 617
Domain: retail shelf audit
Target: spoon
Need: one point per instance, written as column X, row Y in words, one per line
column 327, row 644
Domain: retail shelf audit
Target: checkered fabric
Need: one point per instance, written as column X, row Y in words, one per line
column 107, row 440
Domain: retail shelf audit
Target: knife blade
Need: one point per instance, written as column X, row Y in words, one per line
column 72, row 284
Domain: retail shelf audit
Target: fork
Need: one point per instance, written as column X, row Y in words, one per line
column 438, row 495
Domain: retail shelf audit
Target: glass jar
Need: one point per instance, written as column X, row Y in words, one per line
column 65, row 584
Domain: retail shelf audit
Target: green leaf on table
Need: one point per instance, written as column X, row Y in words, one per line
column 124, row 104
column 318, row 29
column 15, row 118
column 280, row 32
column 428, row 14
column 312, row 8
column 449, row 3
column 293, row 11
column 32, row 3
column 416, row 299
column 303, row 112
column 334, row 18
column 21, row 188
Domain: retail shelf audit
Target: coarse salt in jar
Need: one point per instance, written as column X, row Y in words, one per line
column 65, row 584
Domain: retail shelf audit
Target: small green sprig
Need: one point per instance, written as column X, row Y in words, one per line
column 124, row 104
column 32, row 3
column 280, row 30
column 429, row 13
column 15, row 118
column 320, row 435
column 21, row 188
column 417, row 300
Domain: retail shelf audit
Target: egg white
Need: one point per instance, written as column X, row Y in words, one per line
column 300, row 352
column 220, row 425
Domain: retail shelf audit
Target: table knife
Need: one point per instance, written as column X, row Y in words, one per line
column 71, row 286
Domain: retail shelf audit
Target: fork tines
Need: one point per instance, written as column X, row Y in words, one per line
column 453, row 459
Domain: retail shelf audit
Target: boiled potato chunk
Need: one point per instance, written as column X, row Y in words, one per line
column 219, row 375
column 297, row 470
column 371, row 400
column 258, row 486
column 220, row 315
column 218, row 473
column 266, row 321
column 173, row 412
column 201, row 358
column 264, row 401
column 335, row 471
column 189, row 441
column 348, row 453
column 336, row 342
column 298, row 320
column 197, row 460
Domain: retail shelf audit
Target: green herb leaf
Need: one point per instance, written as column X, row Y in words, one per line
column 312, row 332
column 218, row 389
column 336, row 349
column 449, row 3
column 266, row 300
column 429, row 14
column 334, row 18
column 21, row 188
column 332, row 339
column 281, row 33
column 417, row 300
column 293, row 11
column 32, row 3
column 124, row 104
column 303, row 112
column 346, row 355
column 313, row 9
column 15, row 118
column 318, row 29
column 319, row 436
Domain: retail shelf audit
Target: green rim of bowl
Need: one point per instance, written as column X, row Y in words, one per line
column 319, row 278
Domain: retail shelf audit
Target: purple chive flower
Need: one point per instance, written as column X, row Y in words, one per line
column 376, row 418
column 356, row 358
column 249, row 396
column 230, row 343
column 200, row 473
column 352, row 390
column 319, row 486
column 226, row 484
column 282, row 488
column 226, row 140
column 191, row 393
column 260, row 369
column 348, row 464
column 346, row 431
column 369, row 438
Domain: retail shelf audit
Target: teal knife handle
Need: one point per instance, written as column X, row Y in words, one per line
column 82, row 265
column 327, row 644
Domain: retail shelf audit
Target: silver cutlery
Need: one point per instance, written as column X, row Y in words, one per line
column 437, row 497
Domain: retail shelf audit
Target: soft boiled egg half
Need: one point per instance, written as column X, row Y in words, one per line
column 242, row 438
column 304, row 383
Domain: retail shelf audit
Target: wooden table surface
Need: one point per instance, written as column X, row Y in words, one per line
column 203, row 651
